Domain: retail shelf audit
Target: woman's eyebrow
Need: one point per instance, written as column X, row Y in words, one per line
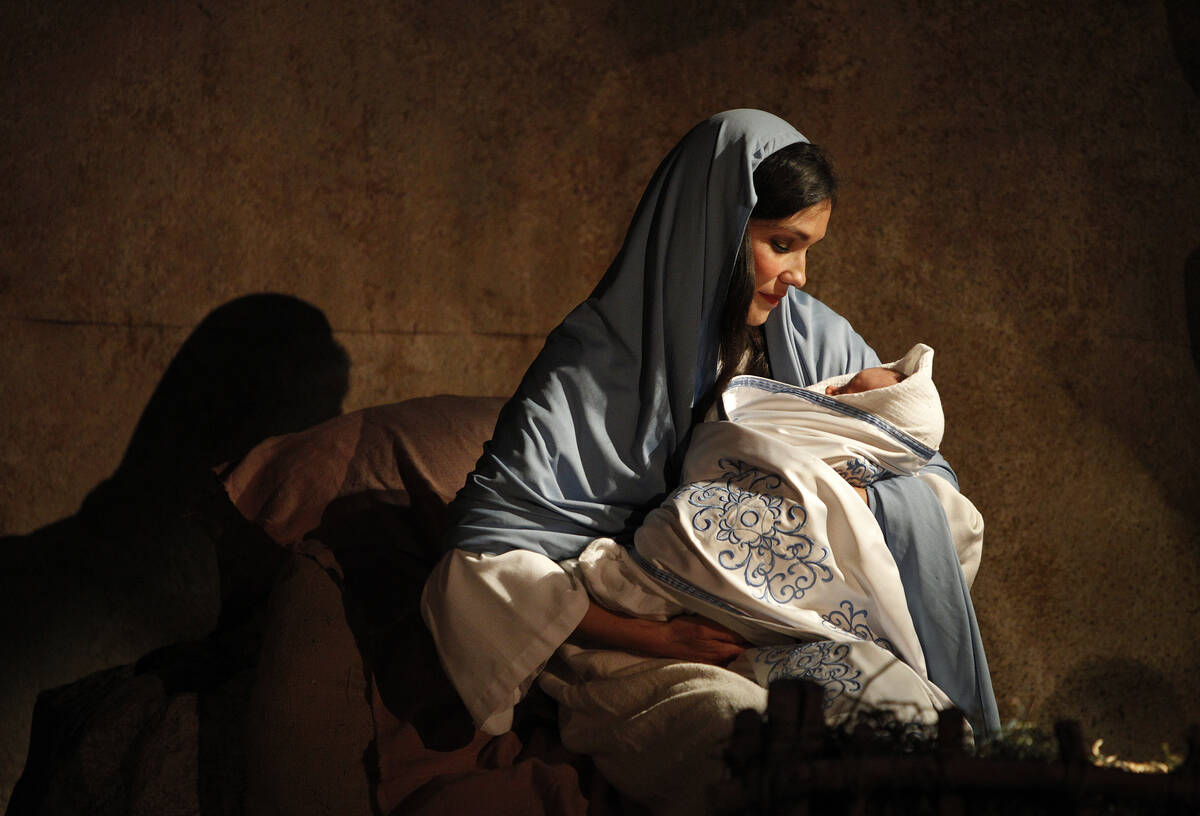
column 803, row 236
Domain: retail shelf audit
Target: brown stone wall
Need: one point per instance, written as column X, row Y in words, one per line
column 446, row 180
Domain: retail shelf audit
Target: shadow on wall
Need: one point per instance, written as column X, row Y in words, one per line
column 1191, row 282
column 259, row 366
column 132, row 571
column 1113, row 698
column 1183, row 25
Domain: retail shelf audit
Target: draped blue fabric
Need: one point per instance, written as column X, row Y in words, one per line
column 596, row 432
column 938, row 600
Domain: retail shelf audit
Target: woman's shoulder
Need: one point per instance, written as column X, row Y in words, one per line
column 820, row 320
column 810, row 342
column 817, row 309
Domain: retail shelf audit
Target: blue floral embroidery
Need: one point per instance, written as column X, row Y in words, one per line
column 822, row 662
column 763, row 531
column 846, row 618
column 859, row 472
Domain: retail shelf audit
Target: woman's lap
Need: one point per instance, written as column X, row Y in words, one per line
column 656, row 728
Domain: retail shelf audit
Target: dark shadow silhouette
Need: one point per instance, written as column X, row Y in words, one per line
column 138, row 568
column 378, row 539
column 1183, row 24
column 1191, row 284
column 259, row 366
column 1125, row 702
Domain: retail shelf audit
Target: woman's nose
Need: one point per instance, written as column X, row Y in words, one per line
column 794, row 274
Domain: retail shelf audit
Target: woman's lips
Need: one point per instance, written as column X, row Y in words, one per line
column 772, row 300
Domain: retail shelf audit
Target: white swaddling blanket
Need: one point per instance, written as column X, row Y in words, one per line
column 767, row 534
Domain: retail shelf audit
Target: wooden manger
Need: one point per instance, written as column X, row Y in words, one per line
column 790, row 762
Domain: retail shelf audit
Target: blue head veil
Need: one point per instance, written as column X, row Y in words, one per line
column 595, row 433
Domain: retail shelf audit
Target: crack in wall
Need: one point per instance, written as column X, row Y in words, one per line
column 112, row 324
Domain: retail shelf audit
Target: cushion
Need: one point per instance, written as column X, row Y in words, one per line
column 424, row 447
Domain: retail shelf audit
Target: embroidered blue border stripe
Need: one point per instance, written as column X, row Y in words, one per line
column 774, row 387
column 683, row 586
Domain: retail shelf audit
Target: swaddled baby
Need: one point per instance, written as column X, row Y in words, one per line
column 767, row 534
column 898, row 398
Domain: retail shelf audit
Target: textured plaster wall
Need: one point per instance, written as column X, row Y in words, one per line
column 446, row 180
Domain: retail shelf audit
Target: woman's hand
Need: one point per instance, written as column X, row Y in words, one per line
column 691, row 637
column 687, row 637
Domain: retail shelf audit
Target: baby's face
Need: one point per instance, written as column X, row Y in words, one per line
column 867, row 380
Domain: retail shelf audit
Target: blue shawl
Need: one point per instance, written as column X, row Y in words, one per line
column 595, row 435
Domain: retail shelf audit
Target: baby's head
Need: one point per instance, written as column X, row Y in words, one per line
column 867, row 380
column 901, row 393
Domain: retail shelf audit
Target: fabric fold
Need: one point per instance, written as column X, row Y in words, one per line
column 918, row 536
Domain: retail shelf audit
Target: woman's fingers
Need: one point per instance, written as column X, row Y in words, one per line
column 687, row 637
column 697, row 638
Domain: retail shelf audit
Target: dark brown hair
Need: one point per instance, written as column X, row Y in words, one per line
column 787, row 181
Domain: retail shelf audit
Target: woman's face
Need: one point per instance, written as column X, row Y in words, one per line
column 780, row 250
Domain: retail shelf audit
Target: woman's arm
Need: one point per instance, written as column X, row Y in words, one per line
column 687, row 637
column 491, row 647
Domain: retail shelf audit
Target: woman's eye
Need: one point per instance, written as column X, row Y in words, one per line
column 779, row 246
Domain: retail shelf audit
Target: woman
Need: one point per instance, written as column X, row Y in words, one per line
column 706, row 284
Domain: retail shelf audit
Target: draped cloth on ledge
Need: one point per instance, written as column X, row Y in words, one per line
column 595, row 435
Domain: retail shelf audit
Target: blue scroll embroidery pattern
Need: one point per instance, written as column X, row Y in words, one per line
column 859, row 472
column 763, row 531
column 847, row 618
column 822, row 662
